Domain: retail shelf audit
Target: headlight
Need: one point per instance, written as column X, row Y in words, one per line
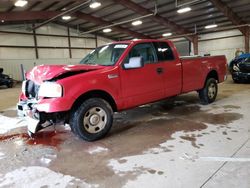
column 236, row 68
column 50, row 89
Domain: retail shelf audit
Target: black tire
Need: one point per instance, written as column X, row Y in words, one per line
column 10, row 85
column 92, row 120
column 209, row 93
column 235, row 80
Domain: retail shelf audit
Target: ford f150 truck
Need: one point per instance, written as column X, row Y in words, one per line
column 112, row 78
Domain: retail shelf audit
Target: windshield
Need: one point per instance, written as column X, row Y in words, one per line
column 246, row 60
column 105, row 55
column 241, row 60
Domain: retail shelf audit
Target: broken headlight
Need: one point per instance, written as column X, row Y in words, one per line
column 236, row 68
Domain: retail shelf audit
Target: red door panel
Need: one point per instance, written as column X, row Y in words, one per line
column 145, row 84
column 172, row 68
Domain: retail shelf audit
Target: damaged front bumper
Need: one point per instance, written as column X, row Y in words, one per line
column 240, row 76
column 36, row 120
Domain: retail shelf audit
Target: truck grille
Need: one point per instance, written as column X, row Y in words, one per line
column 31, row 89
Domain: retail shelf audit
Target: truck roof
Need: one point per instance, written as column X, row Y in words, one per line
column 139, row 41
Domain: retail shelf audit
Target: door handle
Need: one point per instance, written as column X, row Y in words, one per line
column 159, row 70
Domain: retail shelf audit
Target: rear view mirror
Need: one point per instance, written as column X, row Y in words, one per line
column 134, row 62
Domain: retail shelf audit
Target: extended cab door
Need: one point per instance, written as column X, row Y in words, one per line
column 144, row 84
column 172, row 68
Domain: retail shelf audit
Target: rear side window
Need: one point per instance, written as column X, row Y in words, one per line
column 164, row 52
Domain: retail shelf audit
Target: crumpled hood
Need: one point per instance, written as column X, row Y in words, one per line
column 47, row 72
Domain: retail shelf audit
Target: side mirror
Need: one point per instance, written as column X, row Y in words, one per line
column 134, row 62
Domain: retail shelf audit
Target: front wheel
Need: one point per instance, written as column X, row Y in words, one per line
column 92, row 120
column 209, row 93
column 235, row 80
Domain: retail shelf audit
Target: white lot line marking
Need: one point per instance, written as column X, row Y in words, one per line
column 189, row 157
column 225, row 163
column 217, row 159
column 228, row 159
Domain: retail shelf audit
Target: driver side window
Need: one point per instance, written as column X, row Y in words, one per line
column 145, row 51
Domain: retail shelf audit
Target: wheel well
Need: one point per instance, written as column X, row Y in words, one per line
column 95, row 94
column 213, row 74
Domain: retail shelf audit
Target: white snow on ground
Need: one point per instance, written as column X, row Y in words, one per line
column 7, row 123
column 167, row 163
column 1, row 155
column 155, row 181
column 38, row 177
column 67, row 127
column 45, row 160
column 97, row 149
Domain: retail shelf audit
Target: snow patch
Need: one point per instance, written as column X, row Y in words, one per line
column 2, row 155
column 143, row 181
column 67, row 127
column 39, row 177
column 154, row 150
column 97, row 149
column 45, row 160
column 133, row 162
column 8, row 124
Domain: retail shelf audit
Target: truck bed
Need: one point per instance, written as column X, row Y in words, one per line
column 196, row 68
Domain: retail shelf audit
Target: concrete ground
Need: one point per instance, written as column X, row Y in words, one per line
column 173, row 143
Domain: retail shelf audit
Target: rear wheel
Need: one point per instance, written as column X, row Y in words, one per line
column 92, row 120
column 209, row 93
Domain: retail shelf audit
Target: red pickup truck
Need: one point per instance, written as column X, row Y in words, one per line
column 112, row 78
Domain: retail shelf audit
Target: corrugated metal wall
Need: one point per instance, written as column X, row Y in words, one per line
column 221, row 43
column 11, row 58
